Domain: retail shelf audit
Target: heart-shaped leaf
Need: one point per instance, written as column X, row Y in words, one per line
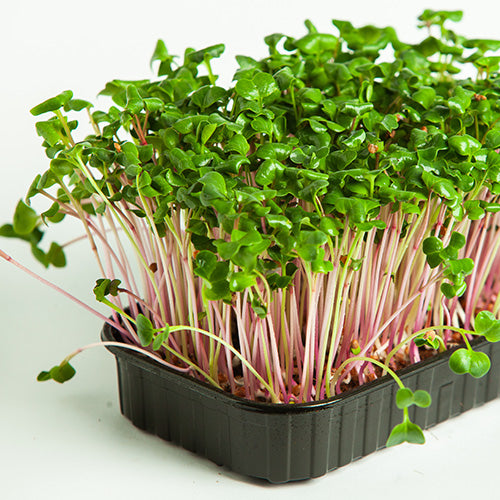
column 427, row 340
column 52, row 104
column 479, row 364
column 405, row 397
column 405, row 432
column 59, row 373
column 486, row 324
column 422, row 398
column 161, row 337
column 475, row 363
column 105, row 287
column 460, row 361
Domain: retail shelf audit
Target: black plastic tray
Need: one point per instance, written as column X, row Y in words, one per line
column 283, row 443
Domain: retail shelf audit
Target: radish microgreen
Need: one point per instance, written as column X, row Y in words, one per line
column 331, row 206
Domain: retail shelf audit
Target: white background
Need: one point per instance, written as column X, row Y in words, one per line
column 70, row 440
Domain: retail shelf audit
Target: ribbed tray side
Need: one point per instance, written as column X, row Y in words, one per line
column 281, row 443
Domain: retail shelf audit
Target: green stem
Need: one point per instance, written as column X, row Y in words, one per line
column 64, row 124
column 357, row 239
column 119, row 310
column 338, row 371
column 462, row 331
column 144, row 264
column 183, row 328
column 211, row 76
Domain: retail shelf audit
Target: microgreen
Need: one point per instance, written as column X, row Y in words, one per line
column 330, row 205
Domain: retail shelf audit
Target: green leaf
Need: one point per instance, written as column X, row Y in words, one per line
column 329, row 226
column 405, row 432
column 493, row 139
column 62, row 373
column 104, row 287
column 284, row 77
column 355, row 140
column 62, row 166
column 214, row 187
column 247, row 89
column 59, row 373
column 389, row 123
column 457, row 241
column 461, row 266
column 265, row 84
column 356, row 108
column 460, row 101
column 134, row 103
column 49, row 131
column 432, row 245
column 425, row 96
column 440, row 16
column 464, row 145
column 277, row 281
column 479, row 364
column 278, row 221
column 443, row 187
column 488, row 325
column 211, row 52
column 174, row 179
column 241, row 280
column 160, row 338
column 55, row 255
column 404, row 397
column 208, row 95
column 259, row 308
column 77, row 105
column 460, row 361
column 145, row 330
column 207, row 132
column 237, row 143
column 274, row 151
column 206, row 262
column 268, row 172
column 217, row 290
column 52, row 104
column 357, row 209
column 25, row 219
column 423, row 340
column 422, row 398
column 262, row 125
column 160, row 53
column 482, row 44
column 315, row 43
column 43, row 376
column 469, row 361
column 153, row 104
column 453, row 290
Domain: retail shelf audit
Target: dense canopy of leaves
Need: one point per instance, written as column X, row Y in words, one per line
column 321, row 131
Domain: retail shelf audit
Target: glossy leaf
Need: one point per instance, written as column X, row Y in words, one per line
column 464, row 145
column 486, row 324
column 52, row 104
column 405, row 432
column 145, row 330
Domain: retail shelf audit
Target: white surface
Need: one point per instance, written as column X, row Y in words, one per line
column 71, row 441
